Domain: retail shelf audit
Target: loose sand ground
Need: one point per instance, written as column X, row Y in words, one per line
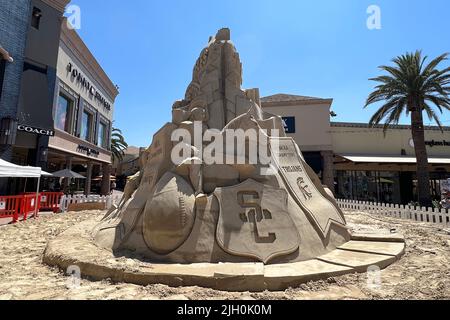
column 423, row 273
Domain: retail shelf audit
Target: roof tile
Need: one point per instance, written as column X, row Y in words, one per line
column 282, row 97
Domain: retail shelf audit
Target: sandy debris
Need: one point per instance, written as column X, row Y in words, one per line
column 423, row 273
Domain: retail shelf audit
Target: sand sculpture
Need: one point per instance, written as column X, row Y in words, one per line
column 194, row 211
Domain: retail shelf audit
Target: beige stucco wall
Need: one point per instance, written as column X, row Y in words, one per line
column 371, row 141
column 315, row 133
column 65, row 142
column 312, row 122
column 65, row 56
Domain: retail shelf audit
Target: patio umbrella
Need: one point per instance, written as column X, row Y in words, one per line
column 66, row 173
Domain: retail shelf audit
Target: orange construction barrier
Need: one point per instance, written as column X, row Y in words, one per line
column 25, row 204
column 11, row 207
column 29, row 205
column 49, row 201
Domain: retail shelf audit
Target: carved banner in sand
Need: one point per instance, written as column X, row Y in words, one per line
column 254, row 221
column 291, row 168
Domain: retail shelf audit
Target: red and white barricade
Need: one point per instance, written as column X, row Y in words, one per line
column 28, row 205
column 50, row 201
column 11, row 207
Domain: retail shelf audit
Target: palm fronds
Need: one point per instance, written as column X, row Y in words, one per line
column 118, row 145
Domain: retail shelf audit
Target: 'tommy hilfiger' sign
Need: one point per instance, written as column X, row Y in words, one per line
column 88, row 151
column 42, row 132
column 81, row 79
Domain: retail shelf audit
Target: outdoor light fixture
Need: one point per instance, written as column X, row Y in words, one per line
column 43, row 154
column 36, row 18
column 5, row 55
column 8, row 130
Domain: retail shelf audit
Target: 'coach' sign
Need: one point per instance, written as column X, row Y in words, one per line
column 42, row 132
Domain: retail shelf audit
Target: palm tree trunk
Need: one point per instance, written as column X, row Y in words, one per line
column 106, row 180
column 423, row 176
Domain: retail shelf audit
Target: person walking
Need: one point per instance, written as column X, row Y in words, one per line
column 113, row 186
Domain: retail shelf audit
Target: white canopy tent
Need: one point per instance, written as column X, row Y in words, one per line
column 10, row 170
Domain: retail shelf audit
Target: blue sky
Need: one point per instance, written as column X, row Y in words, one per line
column 317, row 48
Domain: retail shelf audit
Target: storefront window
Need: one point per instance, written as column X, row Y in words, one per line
column 365, row 186
column 435, row 184
column 86, row 126
column 389, row 184
column 344, row 185
column 62, row 115
column 373, row 186
column 102, row 136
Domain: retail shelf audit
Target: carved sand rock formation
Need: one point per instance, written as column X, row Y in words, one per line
column 223, row 213
column 244, row 215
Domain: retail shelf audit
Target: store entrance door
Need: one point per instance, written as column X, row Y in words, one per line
column 406, row 187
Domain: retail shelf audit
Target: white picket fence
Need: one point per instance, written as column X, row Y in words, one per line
column 108, row 200
column 436, row 216
column 440, row 217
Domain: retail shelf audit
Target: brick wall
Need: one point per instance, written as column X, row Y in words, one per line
column 14, row 21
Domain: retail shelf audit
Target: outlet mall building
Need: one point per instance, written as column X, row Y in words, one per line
column 56, row 101
column 357, row 161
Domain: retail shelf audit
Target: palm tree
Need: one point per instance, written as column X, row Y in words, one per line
column 412, row 87
column 118, row 144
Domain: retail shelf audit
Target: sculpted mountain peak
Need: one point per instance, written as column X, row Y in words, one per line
column 221, row 182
